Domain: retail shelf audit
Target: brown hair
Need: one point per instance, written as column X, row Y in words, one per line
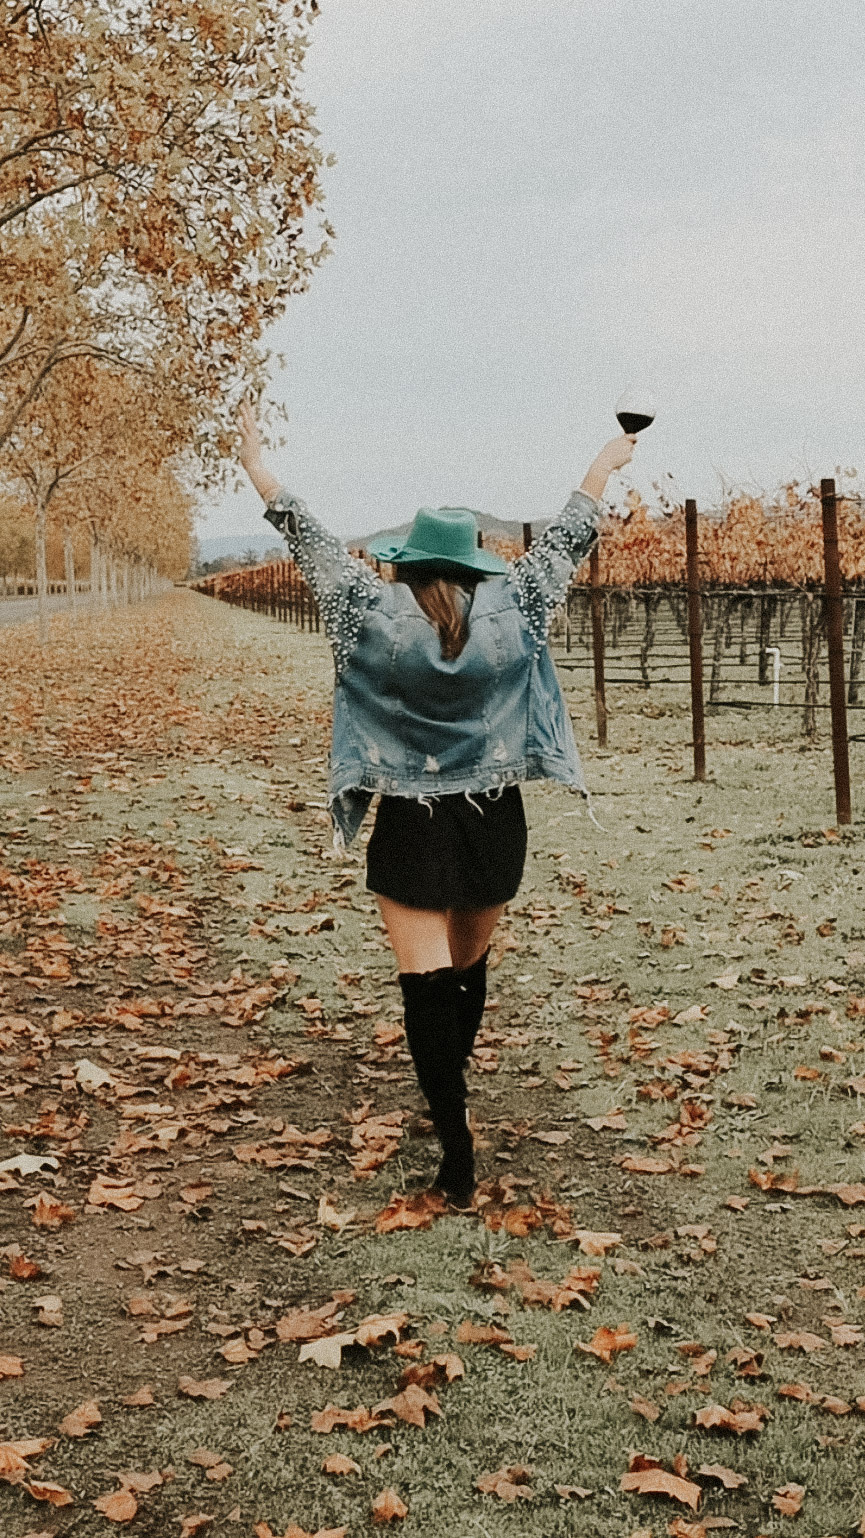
column 440, row 598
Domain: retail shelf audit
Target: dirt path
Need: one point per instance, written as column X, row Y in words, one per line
column 20, row 611
column 201, row 1036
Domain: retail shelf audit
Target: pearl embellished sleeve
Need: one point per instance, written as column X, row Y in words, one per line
column 542, row 576
column 342, row 585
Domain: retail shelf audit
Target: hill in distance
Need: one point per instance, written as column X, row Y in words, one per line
column 235, row 545
column 501, row 528
column 215, row 547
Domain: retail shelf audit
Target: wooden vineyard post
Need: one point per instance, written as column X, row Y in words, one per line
column 835, row 639
column 527, row 536
column 597, row 602
column 695, row 639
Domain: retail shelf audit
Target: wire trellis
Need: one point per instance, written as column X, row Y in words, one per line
column 762, row 649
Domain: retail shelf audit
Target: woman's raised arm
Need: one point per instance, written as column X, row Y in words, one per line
column 251, row 446
column 342, row 585
column 542, row 576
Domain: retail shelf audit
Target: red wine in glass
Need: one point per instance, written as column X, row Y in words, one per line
column 634, row 411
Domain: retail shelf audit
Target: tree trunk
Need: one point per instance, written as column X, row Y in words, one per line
column 69, row 564
column 41, row 567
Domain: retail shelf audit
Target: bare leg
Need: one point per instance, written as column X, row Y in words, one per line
column 432, row 950
column 469, row 933
column 424, row 939
column 419, row 936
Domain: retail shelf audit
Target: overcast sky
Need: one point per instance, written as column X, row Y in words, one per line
column 537, row 205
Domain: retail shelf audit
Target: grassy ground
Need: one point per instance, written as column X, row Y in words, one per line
column 200, row 1023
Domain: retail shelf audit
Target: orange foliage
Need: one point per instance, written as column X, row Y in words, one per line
column 777, row 540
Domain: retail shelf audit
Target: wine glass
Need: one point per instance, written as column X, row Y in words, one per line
column 634, row 411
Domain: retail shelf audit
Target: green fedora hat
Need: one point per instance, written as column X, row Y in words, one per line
column 443, row 536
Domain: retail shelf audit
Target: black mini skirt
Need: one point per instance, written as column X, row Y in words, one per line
column 448, row 851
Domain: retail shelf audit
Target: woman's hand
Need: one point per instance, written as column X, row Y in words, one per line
column 617, row 453
column 251, row 445
column 251, row 442
column 613, row 456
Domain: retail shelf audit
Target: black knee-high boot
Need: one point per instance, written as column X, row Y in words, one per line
column 472, row 983
column 433, row 1028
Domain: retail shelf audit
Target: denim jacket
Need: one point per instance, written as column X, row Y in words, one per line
column 407, row 722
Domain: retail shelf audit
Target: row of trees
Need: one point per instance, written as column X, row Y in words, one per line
column 159, row 203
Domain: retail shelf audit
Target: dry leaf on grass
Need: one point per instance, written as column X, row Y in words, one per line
column 205, row 1388
column 788, row 1499
column 834, row 1405
column 799, row 1391
column 143, row 1396
column 338, row 1463
column 329, row 1217
column 117, row 1506
column 377, row 1327
column 141, row 1483
column 471, row 1334
column 761, row 1321
column 215, row 1466
column 410, row 1212
column 55, row 1495
column 14, row 1455
column 196, row 1522
column 49, row 1310
column 647, row 1476
column 264, row 1530
column 844, row 1334
column 360, row 1419
column 387, row 1507
column 81, row 1420
column 21, row 1269
column 444, row 1368
column 509, row 1484
column 798, row 1340
column 308, row 1323
column 645, row 1407
column 524, row 1353
column 592, row 1243
column 611, row 1121
column 121, row 1194
column 48, row 1212
column 606, row 1343
column 728, row 1477
column 412, row 1405
column 326, row 1352
column 643, row 1164
column 740, row 1417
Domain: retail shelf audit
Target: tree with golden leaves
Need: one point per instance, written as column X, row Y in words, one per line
column 83, row 459
column 157, row 171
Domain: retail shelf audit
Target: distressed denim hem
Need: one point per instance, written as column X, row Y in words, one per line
column 349, row 805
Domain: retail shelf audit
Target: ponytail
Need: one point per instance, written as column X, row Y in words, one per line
column 441, row 600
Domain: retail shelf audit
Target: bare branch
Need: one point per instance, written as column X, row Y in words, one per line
column 13, row 343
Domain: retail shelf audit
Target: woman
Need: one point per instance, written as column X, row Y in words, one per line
column 445, row 699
